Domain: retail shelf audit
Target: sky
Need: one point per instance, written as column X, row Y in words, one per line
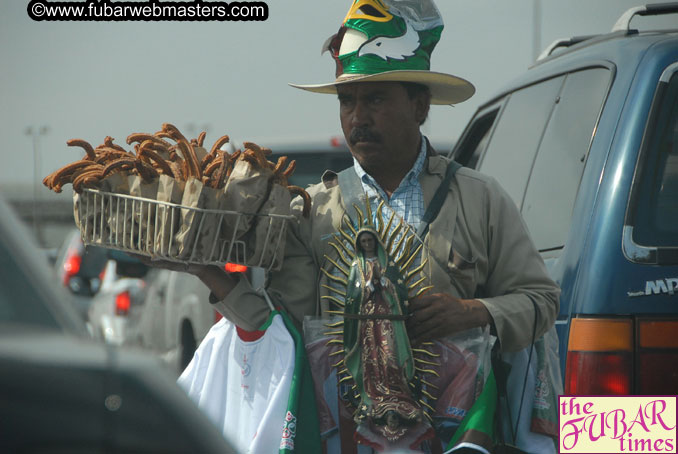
column 87, row 80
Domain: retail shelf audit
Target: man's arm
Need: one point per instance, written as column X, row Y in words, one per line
column 517, row 283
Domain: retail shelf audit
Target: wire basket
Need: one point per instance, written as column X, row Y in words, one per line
column 174, row 232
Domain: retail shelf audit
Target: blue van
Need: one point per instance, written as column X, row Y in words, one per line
column 586, row 144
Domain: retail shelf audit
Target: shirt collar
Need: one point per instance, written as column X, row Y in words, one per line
column 411, row 177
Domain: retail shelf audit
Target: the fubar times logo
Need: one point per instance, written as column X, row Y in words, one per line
column 617, row 424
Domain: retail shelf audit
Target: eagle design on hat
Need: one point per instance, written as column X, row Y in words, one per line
column 398, row 48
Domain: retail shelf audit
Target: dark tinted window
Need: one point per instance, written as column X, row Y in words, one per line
column 511, row 151
column 656, row 220
column 552, row 189
column 475, row 139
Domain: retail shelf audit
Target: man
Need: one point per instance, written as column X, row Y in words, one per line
column 479, row 258
column 496, row 259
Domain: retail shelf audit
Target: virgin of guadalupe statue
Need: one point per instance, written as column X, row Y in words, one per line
column 377, row 349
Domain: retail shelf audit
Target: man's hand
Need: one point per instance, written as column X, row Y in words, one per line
column 214, row 277
column 170, row 265
column 438, row 315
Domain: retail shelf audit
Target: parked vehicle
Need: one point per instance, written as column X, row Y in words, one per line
column 78, row 269
column 60, row 391
column 586, row 144
column 165, row 312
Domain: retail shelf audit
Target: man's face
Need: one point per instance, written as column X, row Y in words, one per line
column 381, row 124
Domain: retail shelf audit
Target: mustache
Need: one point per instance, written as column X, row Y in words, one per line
column 363, row 134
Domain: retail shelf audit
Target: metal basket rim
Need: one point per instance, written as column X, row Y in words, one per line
column 184, row 207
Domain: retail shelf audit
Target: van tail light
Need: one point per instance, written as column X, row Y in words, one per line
column 122, row 303
column 235, row 268
column 217, row 316
column 71, row 267
column 657, row 350
column 600, row 356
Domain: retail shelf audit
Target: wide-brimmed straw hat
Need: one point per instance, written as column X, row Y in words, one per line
column 391, row 41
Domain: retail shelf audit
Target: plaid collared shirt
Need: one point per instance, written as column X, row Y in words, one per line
column 407, row 201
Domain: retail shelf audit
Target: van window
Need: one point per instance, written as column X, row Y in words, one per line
column 656, row 214
column 475, row 139
column 511, row 151
column 559, row 165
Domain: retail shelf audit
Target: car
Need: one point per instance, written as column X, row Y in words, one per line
column 78, row 268
column 586, row 144
column 164, row 312
column 61, row 391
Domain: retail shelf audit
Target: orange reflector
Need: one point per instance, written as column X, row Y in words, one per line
column 235, row 268
column 659, row 334
column 600, row 334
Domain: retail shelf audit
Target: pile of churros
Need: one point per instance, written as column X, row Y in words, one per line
column 169, row 197
column 154, row 155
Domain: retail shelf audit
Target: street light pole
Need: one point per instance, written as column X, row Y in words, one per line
column 35, row 133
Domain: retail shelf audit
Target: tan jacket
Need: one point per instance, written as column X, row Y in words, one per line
column 479, row 235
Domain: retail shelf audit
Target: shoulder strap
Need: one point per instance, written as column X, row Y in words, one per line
column 438, row 198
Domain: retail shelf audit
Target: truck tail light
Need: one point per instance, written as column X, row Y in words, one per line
column 600, row 356
column 122, row 303
column 657, row 350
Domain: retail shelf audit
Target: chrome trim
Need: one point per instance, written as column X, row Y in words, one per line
column 668, row 72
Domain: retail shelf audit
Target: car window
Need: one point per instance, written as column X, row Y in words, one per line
column 475, row 139
column 19, row 300
column 559, row 165
column 510, row 153
column 656, row 215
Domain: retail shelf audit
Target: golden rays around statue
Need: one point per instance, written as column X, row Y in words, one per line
column 378, row 269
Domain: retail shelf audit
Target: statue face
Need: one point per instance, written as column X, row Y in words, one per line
column 392, row 420
column 368, row 243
